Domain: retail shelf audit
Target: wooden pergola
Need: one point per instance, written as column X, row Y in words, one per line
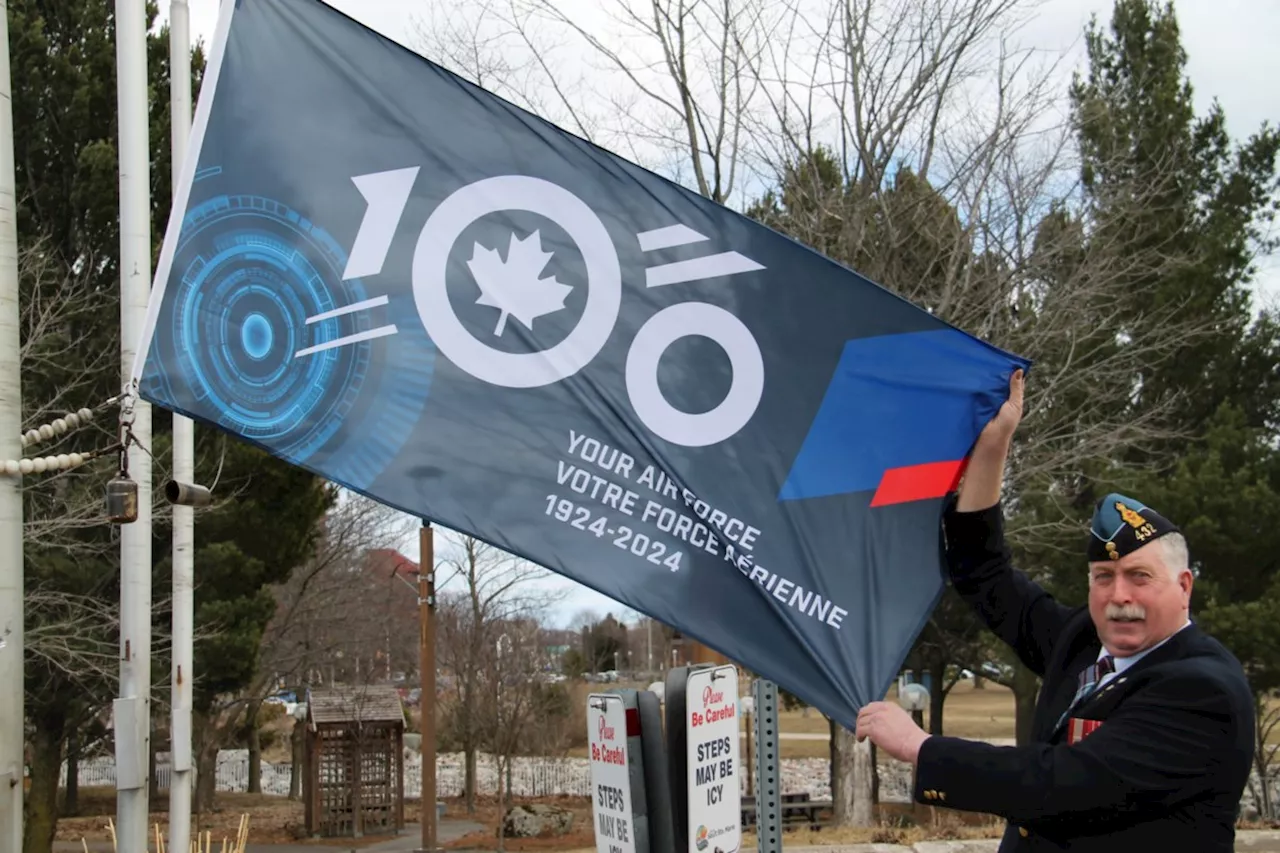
column 354, row 762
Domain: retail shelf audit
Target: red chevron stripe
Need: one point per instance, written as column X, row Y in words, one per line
column 918, row 482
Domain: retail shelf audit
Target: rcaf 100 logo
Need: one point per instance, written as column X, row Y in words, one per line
column 516, row 288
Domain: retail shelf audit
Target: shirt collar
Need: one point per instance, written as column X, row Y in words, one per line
column 1123, row 663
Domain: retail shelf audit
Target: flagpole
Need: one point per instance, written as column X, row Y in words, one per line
column 11, row 573
column 132, row 711
column 180, row 759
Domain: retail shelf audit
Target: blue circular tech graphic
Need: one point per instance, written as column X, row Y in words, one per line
column 259, row 334
column 255, row 335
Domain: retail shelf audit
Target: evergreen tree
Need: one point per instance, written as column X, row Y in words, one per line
column 64, row 105
column 63, row 60
column 1205, row 208
column 268, row 523
column 1179, row 212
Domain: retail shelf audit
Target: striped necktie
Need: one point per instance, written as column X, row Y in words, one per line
column 1089, row 678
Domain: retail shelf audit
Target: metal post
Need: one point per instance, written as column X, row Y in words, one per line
column 132, row 717
column 768, row 767
column 11, row 576
column 180, row 758
column 427, row 680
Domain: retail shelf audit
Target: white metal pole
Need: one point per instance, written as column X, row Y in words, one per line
column 132, row 719
column 180, row 758
column 11, row 641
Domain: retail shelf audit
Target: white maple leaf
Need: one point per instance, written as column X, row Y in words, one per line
column 513, row 286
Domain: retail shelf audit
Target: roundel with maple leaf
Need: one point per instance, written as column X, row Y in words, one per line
column 516, row 285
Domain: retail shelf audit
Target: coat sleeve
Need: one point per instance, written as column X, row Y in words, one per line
column 1161, row 746
column 1015, row 608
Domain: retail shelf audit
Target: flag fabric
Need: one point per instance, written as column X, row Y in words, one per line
column 379, row 272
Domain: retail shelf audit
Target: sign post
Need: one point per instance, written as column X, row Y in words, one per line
column 427, row 682
column 713, row 786
column 764, row 705
column 611, row 794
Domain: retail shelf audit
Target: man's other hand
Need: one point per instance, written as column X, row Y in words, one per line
column 984, row 475
column 891, row 728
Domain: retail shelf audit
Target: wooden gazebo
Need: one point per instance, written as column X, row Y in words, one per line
column 354, row 762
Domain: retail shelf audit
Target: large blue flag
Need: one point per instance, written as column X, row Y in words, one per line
column 386, row 275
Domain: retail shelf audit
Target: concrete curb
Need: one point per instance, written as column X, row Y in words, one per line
column 1258, row 840
column 1247, row 841
column 985, row 845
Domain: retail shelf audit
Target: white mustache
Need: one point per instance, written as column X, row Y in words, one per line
column 1126, row 612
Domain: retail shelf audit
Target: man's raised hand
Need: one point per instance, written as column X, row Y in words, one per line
column 1000, row 429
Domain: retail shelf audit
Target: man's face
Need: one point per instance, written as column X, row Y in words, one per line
column 1136, row 601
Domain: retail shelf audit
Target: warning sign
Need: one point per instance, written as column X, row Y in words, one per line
column 715, row 795
column 610, row 774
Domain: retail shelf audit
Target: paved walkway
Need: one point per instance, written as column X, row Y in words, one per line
column 408, row 841
column 1253, row 841
column 411, row 839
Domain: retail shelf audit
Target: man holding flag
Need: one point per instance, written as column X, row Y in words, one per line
column 1143, row 730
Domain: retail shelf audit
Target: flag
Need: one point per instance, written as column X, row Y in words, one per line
column 383, row 274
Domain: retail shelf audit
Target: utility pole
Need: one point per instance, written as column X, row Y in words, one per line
column 11, row 576
column 427, row 679
column 132, row 711
column 181, row 770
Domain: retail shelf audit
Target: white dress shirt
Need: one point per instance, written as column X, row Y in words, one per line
column 1121, row 664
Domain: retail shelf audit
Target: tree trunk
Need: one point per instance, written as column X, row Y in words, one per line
column 833, row 753
column 875, row 775
column 71, row 803
column 206, row 779
column 298, row 744
column 937, row 677
column 469, row 776
column 855, row 805
column 206, row 749
column 1262, row 794
column 502, row 811
column 1025, row 687
column 40, row 817
column 255, row 751
column 864, row 780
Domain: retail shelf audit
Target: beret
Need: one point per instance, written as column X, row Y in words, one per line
column 1122, row 525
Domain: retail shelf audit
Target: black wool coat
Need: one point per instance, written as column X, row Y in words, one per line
column 1167, row 763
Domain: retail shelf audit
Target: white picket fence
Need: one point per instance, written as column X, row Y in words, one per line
column 232, row 772
column 530, row 777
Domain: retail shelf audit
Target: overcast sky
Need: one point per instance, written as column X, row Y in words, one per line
column 1232, row 57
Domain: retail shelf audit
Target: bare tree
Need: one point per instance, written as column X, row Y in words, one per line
column 913, row 140
column 320, row 612
column 666, row 83
column 70, row 582
column 483, row 590
column 57, row 301
column 60, row 370
column 335, row 602
column 510, row 715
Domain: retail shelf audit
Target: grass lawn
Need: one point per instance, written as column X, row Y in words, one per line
column 983, row 714
column 970, row 713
